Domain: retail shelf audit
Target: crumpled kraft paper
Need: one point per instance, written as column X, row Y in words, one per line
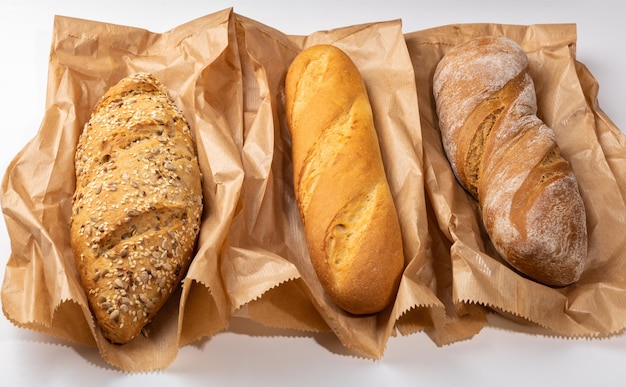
column 268, row 231
column 198, row 62
column 227, row 73
column 567, row 102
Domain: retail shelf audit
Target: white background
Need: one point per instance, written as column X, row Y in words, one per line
column 502, row 354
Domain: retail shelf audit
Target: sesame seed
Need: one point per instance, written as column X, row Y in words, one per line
column 114, row 315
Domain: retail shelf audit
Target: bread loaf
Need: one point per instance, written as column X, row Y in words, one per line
column 509, row 160
column 350, row 220
column 137, row 205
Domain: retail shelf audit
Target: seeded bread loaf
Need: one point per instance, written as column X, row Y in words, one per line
column 350, row 220
column 509, row 160
column 137, row 205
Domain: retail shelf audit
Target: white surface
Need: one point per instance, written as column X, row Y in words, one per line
column 246, row 355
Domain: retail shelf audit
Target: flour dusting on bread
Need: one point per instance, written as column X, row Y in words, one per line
column 508, row 159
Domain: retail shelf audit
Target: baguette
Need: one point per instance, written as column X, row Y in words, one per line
column 350, row 221
column 509, row 160
column 137, row 205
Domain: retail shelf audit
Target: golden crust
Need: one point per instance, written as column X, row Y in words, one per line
column 508, row 159
column 137, row 205
column 349, row 217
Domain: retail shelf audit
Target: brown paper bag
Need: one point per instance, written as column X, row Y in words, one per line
column 269, row 272
column 199, row 64
column 566, row 95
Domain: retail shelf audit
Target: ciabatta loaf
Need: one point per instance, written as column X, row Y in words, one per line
column 137, row 206
column 350, row 220
column 509, row 160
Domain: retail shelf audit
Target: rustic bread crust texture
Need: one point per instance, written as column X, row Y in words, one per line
column 137, row 205
column 509, row 160
column 350, row 220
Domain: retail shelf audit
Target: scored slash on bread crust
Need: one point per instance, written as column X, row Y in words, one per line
column 344, row 199
column 137, row 205
column 509, row 161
